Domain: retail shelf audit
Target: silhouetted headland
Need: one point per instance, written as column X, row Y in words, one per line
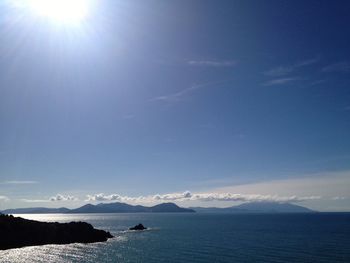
column 19, row 232
column 138, row 227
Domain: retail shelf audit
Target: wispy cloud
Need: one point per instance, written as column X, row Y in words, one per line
column 285, row 70
column 317, row 82
column 183, row 93
column 279, row 81
column 212, row 63
column 327, row 185
column 4, row 198
column 337, row 67
column 206, row 197
column 175, row 96
column 339, row 198
column 19, row 182
column 35, row 200
column 307, row 62
column 279, row 71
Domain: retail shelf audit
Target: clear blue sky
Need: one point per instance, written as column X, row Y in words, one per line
column 157, row 97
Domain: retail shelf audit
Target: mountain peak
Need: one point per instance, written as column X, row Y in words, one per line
column 274, row 207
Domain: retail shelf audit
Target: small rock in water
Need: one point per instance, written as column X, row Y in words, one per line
column 138, row 227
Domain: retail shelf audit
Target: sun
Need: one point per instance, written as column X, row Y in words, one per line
column 61, row 11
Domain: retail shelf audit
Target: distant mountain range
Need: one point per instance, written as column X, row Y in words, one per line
column 253, row 207
column 256, row 207
column 103, row 208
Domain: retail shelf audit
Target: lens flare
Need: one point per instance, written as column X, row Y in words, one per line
column 61, row 11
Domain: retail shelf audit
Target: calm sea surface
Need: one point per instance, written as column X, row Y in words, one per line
column 201, row 238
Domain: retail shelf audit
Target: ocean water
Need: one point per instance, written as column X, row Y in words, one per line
column 321, row 237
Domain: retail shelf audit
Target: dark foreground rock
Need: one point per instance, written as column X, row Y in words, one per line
column 17, row 232
column 138, row 227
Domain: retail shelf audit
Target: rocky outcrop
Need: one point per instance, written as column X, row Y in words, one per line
column 18, row 232
column 138, row 227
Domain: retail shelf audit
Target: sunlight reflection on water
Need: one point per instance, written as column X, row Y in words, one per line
column 64, row 217
column 59, row 253
column 71, row 252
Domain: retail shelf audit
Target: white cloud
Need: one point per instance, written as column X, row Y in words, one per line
column 172, row 196
column 206, row 197
column 316, row 191
column 60, row 197
column 212, row 63
column 35, row 200
column 187, row 196
column 103, row 197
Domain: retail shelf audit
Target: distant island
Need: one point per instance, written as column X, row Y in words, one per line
column 103, row 208
column 17, row 232
column 256, row 207
column 251, row 207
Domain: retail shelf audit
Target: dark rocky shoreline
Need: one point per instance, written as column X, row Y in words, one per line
column 16, row 232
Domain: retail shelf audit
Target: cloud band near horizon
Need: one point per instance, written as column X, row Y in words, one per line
column 205, row 197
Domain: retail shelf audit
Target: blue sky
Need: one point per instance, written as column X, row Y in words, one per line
column 141, row 98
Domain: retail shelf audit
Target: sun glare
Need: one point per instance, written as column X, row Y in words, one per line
column 61, row 11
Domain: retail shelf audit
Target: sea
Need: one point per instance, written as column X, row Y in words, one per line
column 195, row 237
